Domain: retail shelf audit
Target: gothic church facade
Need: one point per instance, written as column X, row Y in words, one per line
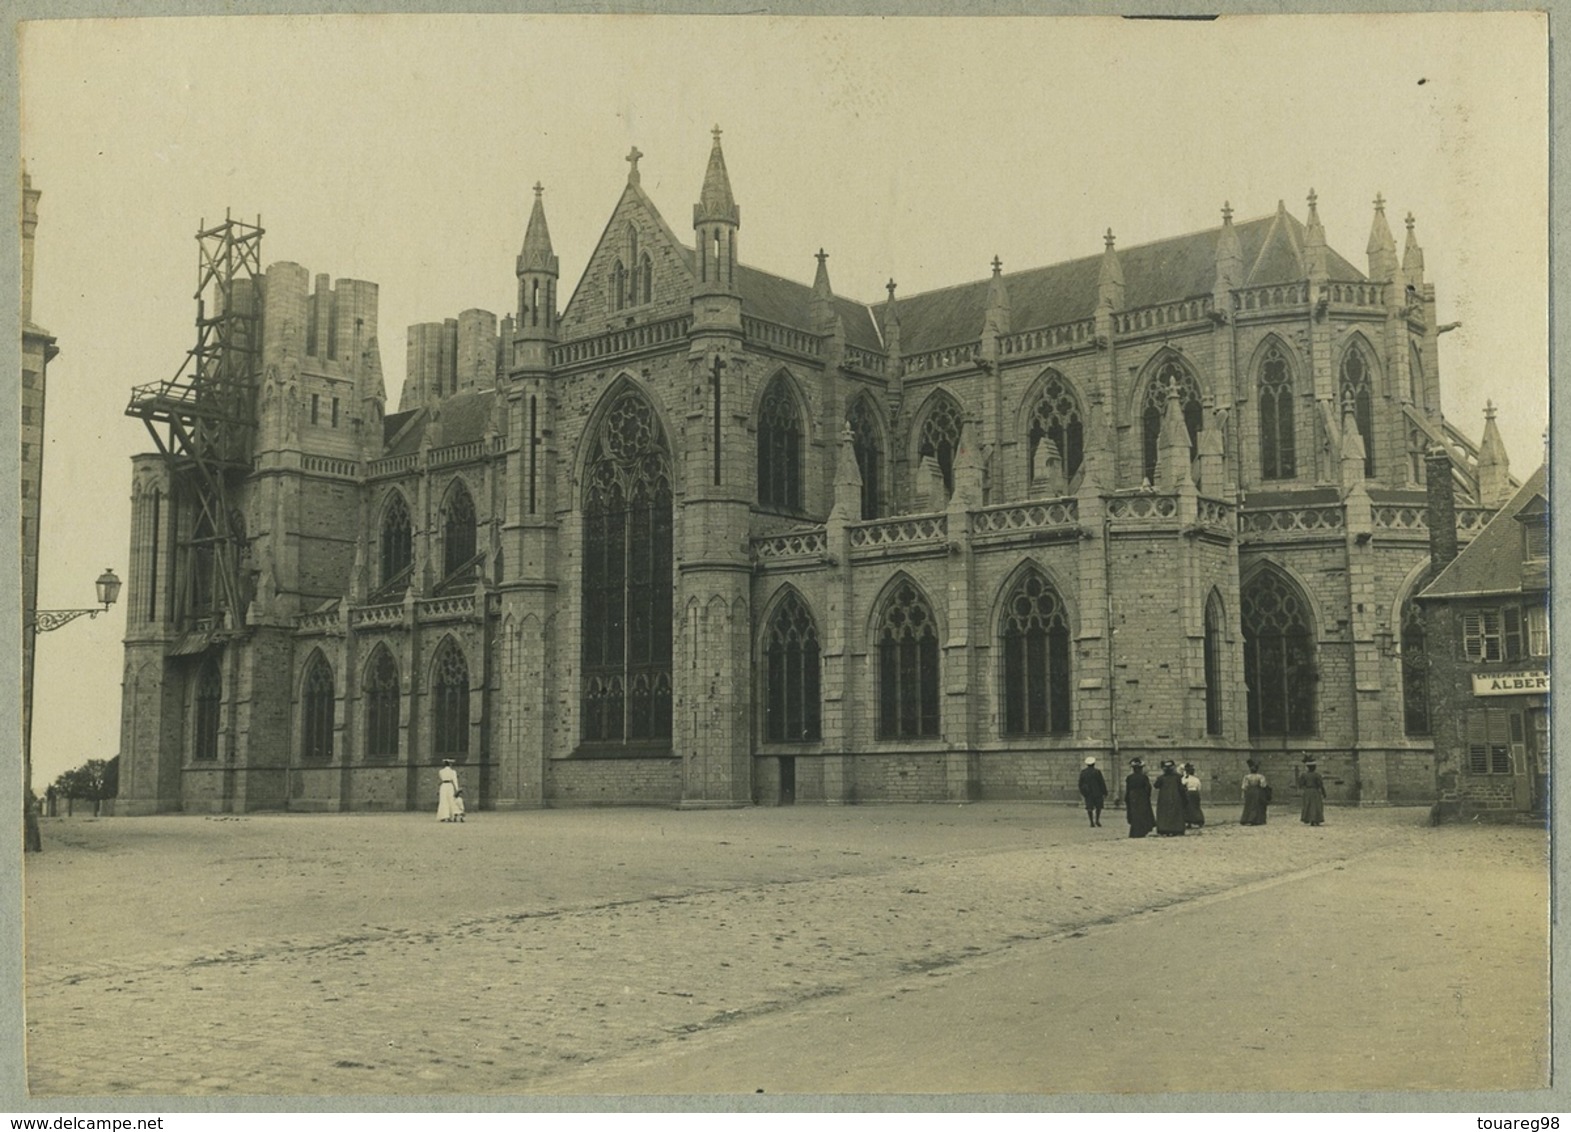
column 706, row 536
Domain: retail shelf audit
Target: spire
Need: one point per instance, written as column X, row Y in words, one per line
column 821, row 288
column 1229, row 254
column 847, row 506
column 891, row 322
column 1382, row 246
column 1494, row 469
column 715, row 201
column 536, row 254
column 996, row 320
column 1172, row 464
column 1110, row 281
column 1352, row 447
column 1315, row 241
column 824, row 315
column 1413, row 256
column 968, row 472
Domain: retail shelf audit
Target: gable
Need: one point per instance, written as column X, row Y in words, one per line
column 592, row 309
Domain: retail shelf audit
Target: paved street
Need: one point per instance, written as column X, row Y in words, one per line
column 994, row 947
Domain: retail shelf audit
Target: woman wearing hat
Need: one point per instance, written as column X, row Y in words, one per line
column 1169, row 801
column 447, row 792
column 1314, row 811
column 1137, row 800
column 1255, row 796
column 1193, row 815
column 1093, row 788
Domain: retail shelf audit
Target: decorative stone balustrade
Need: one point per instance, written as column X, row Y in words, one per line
column 865, row 360
column 905, row 531
column 1265, row 298
column 1215, row 514
column 1291, row 520
column 1049, row 337
column 1142, row 507
column 330, row 466
column 642, row 337
column 1370, row 295
column 368, row 616
column 783, row 337
column 457, row 453
column 792, row 544
column 1164, row 314
column 444, row 608
column 946, row 357
column 393, row 465
column 1060, row 514
column 323, row 620
column 1469, row 520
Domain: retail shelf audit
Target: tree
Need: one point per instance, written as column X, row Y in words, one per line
column 93, row 781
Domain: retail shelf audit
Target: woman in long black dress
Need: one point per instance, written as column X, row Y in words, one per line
column 1169, row 801
column 1137, row 800
column 1314, row 809
column 1254, row 796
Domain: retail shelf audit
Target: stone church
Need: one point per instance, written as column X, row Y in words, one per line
column 706, row 536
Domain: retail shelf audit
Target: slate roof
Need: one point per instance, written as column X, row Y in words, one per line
column 1492, row 562
column 1180, row 267
column 776, row 299
column 464, row 417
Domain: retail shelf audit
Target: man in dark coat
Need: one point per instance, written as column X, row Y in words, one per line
column 1137, row 800
column 1170, row 801
column 1093, row 788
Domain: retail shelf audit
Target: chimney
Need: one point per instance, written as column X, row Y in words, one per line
column 1442, row 509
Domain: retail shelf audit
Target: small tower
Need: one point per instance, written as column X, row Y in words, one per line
column 996, row 320
column 1110, row 280
column 1352, row 453
column 1315, row 243
column 1413, row 258
column 1494, row 469
column 1172, row 465
column 824, row 317
column 716, row 220
column 1229, row 259
column 891, row 324
column 537, row 275
column 1382, row 246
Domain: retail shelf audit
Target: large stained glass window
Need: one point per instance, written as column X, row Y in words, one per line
column 1035, row 636
column 792, row 707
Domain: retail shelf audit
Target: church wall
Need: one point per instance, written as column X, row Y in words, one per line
column 329, row 516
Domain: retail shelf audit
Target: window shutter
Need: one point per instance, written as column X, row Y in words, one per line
column 1473, row 635
column 1513, row 634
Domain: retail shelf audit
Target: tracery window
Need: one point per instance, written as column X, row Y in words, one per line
column 209, row 696
column 940, row 437
column 1279, row 657
column 1035, row 635
column 792, row 711
column 1213, row 665
column 1171, row 375
column 381, row 705
column 779, row 448
column 397, row 539
column 1415, row 671
column 450, row 691
column 1057, row 418
column 626, row 576
column 458, row 530
column 907, row 667
column 1358, row 390
column 1278, row 454
column 869, row 458
column 618, row 286
column 316, row 730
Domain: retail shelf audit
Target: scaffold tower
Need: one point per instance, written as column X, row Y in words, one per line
column 203, row 421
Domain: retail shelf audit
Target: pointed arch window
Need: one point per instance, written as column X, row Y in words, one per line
column 779, row 448
column 1415, row 671
column 1170, row 375
column 397, row 539
column 316, row 730
column 618, row 286
column 869, row 457
column 1279, row 657
column 1415, row 375
column 940, row 437
column 1358, row 390
column 381, row 705
column 1057, row 418
column 907, row 667
column 626, row 579
column 1213, row 665
column 1035, row 636
column 209, row 697
column 1278, row 452
column 458, row 529
column 450, row 691
column 646, row 279
column 793, row 707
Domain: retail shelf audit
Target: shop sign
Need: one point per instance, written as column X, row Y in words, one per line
column 1527, row 683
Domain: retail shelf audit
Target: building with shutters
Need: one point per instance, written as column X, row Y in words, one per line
column 706, row 536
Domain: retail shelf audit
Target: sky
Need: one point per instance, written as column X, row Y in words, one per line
column 400, row 149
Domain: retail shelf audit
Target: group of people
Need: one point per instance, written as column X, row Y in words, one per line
column 1177, row 807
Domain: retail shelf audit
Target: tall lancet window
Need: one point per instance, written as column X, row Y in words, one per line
column 779, row 448
column 458, row 529
column 626, row 578
column 618, row 286
column 1035, row 637
column 1415, row 670
column 381, row 705
column 1358, row 390
column 940, row 436
column 1213, row 665
column 1278, row 453
column 316, row 710
column 907, row 667
column 1279, row 656
column 209, row 697
column 1171, row 375
column 397, row 539
column 450, row 693
column 1056, row 417
column 646, row 279
column 869, row 456
column 792, row 711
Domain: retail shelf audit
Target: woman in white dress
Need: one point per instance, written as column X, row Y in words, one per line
column 447, row 792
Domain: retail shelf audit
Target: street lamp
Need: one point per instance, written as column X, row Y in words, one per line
column 108, row 586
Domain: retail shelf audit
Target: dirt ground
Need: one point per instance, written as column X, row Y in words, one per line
column 903, row 949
